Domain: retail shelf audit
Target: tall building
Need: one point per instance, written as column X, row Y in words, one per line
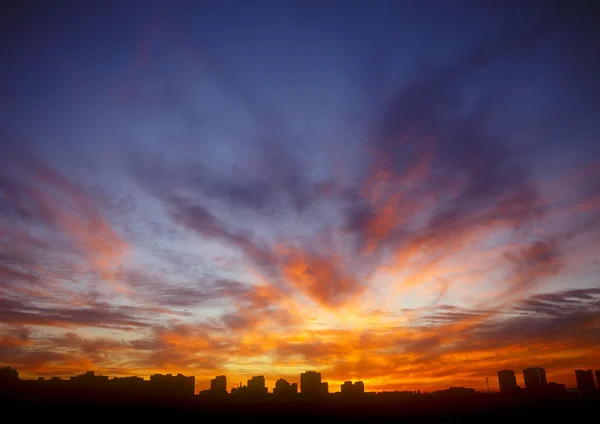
column 282, row 387
column 598, row 379
column 352, row 389
column 347, row 387
column 585, row 381
column 310, row 383
column 534, row 377
column 359, row 388
column 507, row 381
column 256, row 385
column 218, row 384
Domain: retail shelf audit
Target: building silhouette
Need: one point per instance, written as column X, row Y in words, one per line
column 129, row 385
column 461, row 390
column 8, row 376
column 239, row 389
column 310, row 383
column 90, row 377
column 598, row 379
column 507, row 381
column 284, row 388
column 89, row 382
column 127, row 397
column 172, row 385
column 534, row 377
column 359, row 387
column 455, row 392
column 256, row 385
column 553, row 387
column 352, row 389
column 92, row 385
column 346, row 387
column 175, row 388
column 585, row 381
column 218, row 384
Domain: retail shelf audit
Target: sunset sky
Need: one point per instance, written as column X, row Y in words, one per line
column 401, row 192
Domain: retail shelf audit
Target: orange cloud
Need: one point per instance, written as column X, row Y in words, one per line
column 320, row 278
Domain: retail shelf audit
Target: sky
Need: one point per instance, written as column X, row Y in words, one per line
column 405, row 193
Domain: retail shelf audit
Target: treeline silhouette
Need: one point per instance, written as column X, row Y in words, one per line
column 173, row 396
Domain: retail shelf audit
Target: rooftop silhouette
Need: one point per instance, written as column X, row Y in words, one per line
column 534, row 377
column 148, row 396
column 284, row 388
column 585, row 381
column 507, row 381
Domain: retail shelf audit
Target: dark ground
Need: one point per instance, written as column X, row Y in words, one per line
column 479, row 408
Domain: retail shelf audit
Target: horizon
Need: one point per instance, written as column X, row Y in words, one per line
column 405, row 193
column 270, row 381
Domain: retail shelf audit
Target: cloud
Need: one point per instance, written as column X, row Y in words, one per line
column 441, row 178
column 45, row 213
column 14, row 335
column 275, row 266
column 158, row 288
column 101, row 315
column 534, row 262
column 193, row 216
column 320, row 278
column 272, row 182
column 182, row 345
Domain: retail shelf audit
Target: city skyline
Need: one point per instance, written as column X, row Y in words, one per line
column 312, row 382
column 173, row 396
column 404, row 193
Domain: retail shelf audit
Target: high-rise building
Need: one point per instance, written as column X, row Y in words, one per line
column 359, row 388
column 507, row 381
column 598, row 379
column 283, row 387
column 347, row 387
column 256, row 385
column 585, row 381
column 352, row 389
column 310, row 383
column 219, row 384
column 534, row 377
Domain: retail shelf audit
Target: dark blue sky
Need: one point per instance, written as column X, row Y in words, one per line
column 183, row 182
